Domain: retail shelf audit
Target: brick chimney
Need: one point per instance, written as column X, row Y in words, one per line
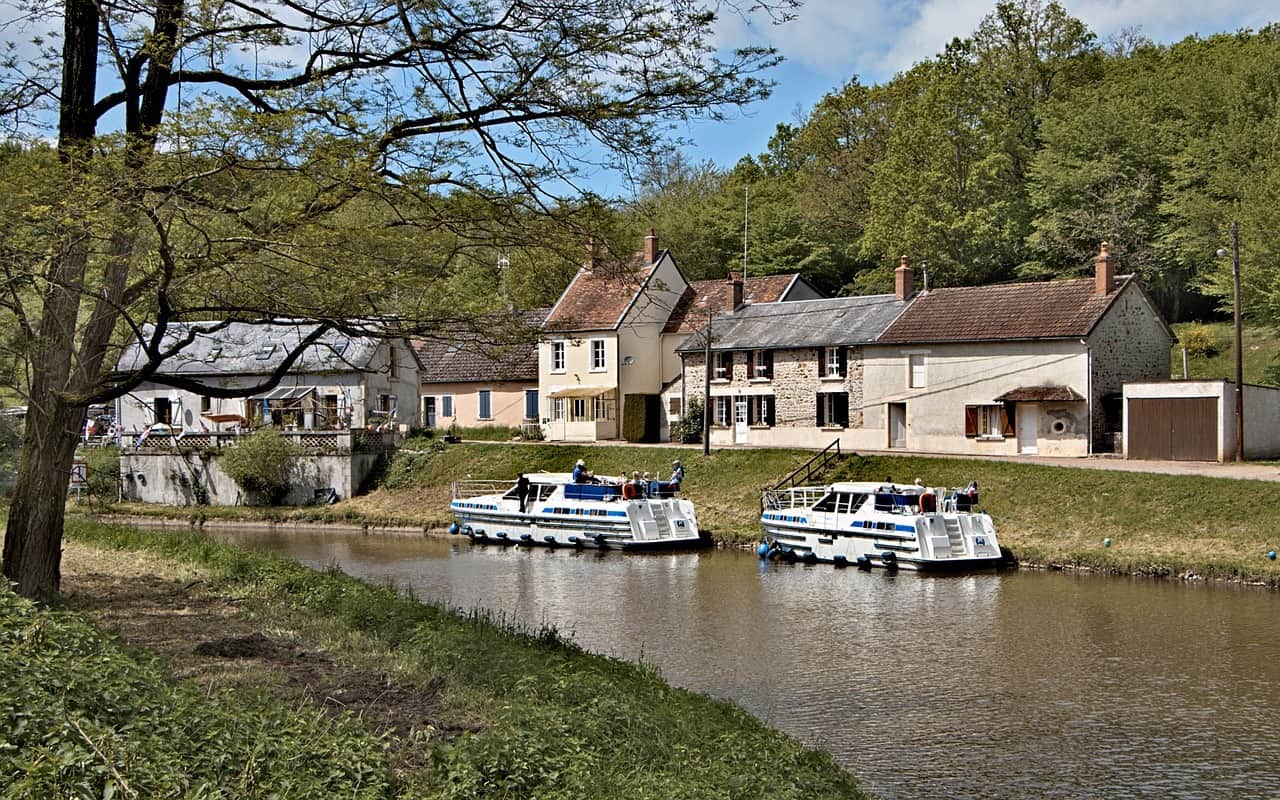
column 1104, row 270
column 904, row 279
column 593, row 254
column 735, row 283
column 651, row 247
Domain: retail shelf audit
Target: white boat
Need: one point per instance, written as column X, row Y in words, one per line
column 561, row 513
column 878, row 524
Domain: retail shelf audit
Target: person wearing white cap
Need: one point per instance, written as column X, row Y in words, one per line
column 580, row 472
column 677, row 474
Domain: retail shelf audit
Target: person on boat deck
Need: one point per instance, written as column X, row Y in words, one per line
column 522, row 491
column 927, row 501
column 580, row 472
column 968, row 497
column 677, row 474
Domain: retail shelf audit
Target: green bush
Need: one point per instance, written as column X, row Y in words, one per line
column 1199, row 340
column 263, row 464
column 633, row 410
column 689, row 429
column 103, row 473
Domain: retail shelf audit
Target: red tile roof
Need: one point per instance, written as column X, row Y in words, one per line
column 475, row 358
column 597, row 298
column 1045, row 310
column 691, row 312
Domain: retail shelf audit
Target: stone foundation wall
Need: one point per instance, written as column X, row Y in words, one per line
column 180, row 479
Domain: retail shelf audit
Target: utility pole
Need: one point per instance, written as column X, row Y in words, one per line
column 746, row 206
column 1235, row 282
column 706, row 389
column 1235, row 288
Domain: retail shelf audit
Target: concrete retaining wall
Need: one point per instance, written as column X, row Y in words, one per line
column 175, row 478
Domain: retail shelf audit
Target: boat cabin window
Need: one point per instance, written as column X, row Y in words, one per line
column 841, row 502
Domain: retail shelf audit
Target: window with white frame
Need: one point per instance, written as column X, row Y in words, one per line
column 600, row 407
column 762, row 364
column 760, row 409
column 486, row 404
column 557, row 356
column 988, row 421
column 557, row 409
column 446, row 405
column 724, row 410
column 721, row 366
column 673, row 406
column 597, row 355
column 578, row 409
column 915, row 369
column 833, row 361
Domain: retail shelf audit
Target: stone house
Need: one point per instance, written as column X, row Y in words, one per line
column 788, row 374
column 338, row 383
column 469, row 382
column 1015, row 368
column 613, row 333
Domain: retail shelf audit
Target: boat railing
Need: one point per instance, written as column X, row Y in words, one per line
column 463, row 490
column 795, row 497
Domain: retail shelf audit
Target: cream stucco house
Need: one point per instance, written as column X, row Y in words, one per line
column 613, row 334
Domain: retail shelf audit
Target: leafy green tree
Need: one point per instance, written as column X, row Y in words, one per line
column 274, row 160
column 263, row 464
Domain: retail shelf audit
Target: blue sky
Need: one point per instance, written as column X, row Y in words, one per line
column 830, row 41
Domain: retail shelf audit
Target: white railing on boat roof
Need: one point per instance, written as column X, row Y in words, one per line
column 463, row 490
column 798, row 497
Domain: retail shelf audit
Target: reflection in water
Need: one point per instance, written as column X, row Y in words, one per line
column 1011, row 685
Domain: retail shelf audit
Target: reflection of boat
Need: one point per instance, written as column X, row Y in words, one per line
column 561, row 513
column 872, row 524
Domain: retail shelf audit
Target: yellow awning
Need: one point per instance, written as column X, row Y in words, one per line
column 580, row 391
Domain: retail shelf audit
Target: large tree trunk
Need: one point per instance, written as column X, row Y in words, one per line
column 33, row 540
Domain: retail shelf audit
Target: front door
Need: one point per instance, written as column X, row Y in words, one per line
column 740, row 421
column 897, row 425
column 1028, row 427
column 429, row 412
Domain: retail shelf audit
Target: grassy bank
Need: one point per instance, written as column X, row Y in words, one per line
column 1158, row 524
column 513, row 714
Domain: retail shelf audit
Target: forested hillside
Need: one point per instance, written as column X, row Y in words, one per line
column 1010, row 155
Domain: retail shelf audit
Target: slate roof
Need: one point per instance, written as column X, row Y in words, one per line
column 833, row 322
column 245, row 349
column 471, row 360
column 596, row 299
column 690, row 314
column 1062, row 309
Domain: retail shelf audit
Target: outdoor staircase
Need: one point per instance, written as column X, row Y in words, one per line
column 819, row 465
column 955, row 535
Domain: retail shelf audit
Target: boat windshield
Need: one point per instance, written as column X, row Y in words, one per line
column 841, row 502
column 537, row 492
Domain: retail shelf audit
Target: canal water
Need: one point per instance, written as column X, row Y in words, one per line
column 1011, row 685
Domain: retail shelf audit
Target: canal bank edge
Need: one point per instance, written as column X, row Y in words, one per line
column 524, row 712
column 1113, row 522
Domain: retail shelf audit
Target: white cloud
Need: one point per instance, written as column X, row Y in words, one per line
column 877, row 38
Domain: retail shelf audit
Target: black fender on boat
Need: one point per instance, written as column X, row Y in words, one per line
column 890, row 559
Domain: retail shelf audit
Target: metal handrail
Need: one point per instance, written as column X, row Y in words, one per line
column 808, row 467
column 462, row 490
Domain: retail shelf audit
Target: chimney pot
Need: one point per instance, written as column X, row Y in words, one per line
column 651, row 247
column 904, row 279
column 1104, row 271
column 735, row 283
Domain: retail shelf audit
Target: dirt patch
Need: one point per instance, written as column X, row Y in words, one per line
column 206, row 639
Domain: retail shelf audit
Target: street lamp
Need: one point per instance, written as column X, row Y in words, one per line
column 1235, row 282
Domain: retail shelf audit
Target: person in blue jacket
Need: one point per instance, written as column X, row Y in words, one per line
column 580, row 472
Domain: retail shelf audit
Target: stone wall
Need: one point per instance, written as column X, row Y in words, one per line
column 1129, row 344
column 795, row 385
